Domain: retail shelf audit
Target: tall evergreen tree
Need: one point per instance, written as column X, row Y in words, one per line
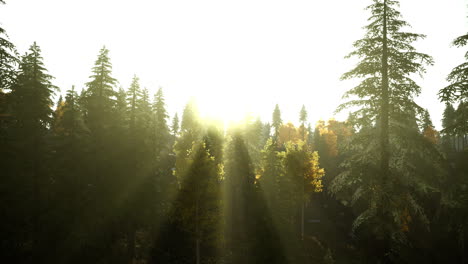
column 162, row 135
column 387, row 108
column 175, row 125
column 303, row 120
column 8, row 63
column 272, row 170
column 100, row 95
column 250, row 234
column 31, row 110
column 457, row 90
column 448, row 128
column 190, row 133
column 134, row 95
column 276, row 122
column 32, row 93
column 191, row 233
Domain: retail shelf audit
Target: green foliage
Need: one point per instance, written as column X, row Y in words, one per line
column 8, row 62
column 106, row 179
column 31, row 94
column 162, row 142
column 387, row 207
column 100, row 95
column 457, row 90
column 403, row 61
column 190, row 133
column 175, row 125
column 276, row 121
column 272, row 170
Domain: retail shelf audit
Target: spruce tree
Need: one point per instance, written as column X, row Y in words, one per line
column 175, row 125
column 134, row 94
column 100, row 95
column 8, row 64
column 303, row 120
column 386, row 126
column 161, row 128
column 250, row 233
column 276, row 122
column 191, row 233
column 32, row 112
column 190, row 134
column 448, row 128
column 31, row 95
column 457, row 90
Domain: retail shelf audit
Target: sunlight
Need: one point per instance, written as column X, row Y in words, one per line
column 227, row 109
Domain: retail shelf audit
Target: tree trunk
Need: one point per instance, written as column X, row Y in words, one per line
column 302, row 221
column 384, row 134
column 197, row 234
column 384, row 131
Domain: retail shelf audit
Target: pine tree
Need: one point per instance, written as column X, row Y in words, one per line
column 305, row 176
column 121, row 109
column 303, row 120
column 32, row 93
column 271, row 172
column 134, row 95
column 448, row 128
column 385, row 124
column 461, row 125
column 427, row 128
column 191, row 233
column 457, row 91
column 71, row 176
column 190, row 133
column 161, row 129
column 175, row 125
column 250, row 233
column 253, row 133
column 164, row 159
column 100, row 95
column 276, row 122
column 8, row 63
column 31, row 110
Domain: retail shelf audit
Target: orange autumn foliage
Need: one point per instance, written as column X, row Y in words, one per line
column 431, row 134
column 289, row 133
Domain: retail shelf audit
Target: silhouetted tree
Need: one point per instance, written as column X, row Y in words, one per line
column 276, row 122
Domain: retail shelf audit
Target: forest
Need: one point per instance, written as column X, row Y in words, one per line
column 104, row 175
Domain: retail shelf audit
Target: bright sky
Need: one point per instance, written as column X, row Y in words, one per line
column 233, row 56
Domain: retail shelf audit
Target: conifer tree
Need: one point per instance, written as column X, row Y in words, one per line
column 32, row 112
column 303, row 120
column 190, row 133
column 100, row 95
column 161, row 128
column 448, row 128
column 121, row 109
column 305, row 176
column 385, row 123
column 192, row 231
column 254, row 139
column 251, row 236
column 457, row 90
column 271, row 172
column 8, row 63
column 164, row 158
column 276, row 122
column 175, row 125
column 134, row 95
column 32, row 93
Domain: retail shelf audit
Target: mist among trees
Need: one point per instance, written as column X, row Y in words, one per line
column 103, row 173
